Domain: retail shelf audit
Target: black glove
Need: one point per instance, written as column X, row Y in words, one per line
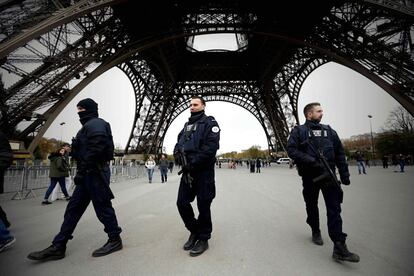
column 187, row 168
column 79, row 178
column 318, row 167
column 177, row 160
column 345, row 181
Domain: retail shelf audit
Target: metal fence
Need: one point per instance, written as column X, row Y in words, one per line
column 23, row 180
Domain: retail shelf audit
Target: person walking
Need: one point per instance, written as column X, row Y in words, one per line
column 258, row 165
column 305, row 146
column 360, row 162
column 394, row 161
column 252, row 163
column 171, row 166
column 150, row 165
column 401, row 162
column 163, row 165
column 385, row 161
column 92, row 149
column 6, row 239
column 197, row 144
column 59, row 169
column 6, row 158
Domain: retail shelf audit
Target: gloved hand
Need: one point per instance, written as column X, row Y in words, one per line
column 345, row 181
column 177, row 158
column 318, row 167
column 79, row 178
column 187, row 168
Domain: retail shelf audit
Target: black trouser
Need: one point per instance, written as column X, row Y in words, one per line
column 333, row 196
column 204, row 190
column 3, row 217
column 2, row 181
column 96, row 189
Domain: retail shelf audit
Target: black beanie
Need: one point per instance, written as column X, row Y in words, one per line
column 88, row 104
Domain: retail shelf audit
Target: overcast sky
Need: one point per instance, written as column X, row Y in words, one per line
column 346, row 97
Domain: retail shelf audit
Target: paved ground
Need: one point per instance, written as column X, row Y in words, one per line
column 259, row 229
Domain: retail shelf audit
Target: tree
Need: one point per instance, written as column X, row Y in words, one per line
column 393, row 142
column 399, row 135
column 254, row 152
column 400, row 120
column 45, row 147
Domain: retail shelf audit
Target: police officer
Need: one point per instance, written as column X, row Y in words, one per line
column 198, row 142
column 305, row 144
column 92, row 149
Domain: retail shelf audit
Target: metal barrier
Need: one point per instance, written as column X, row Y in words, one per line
column 23, row 180
column 14, row 178
column 124, row 172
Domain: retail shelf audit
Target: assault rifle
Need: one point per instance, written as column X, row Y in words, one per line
column 328, row 176
column 182, row 160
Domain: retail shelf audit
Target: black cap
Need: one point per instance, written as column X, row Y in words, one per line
column 88, row 104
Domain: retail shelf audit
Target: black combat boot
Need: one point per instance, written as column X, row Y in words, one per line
column 341, row 253
column 199, row 248
column 191, row 242
column 110, row 246
column 317, row 238
column 53, row 252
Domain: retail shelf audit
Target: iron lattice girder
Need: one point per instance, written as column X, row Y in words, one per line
column 148, row 104
column 245, row 95
column 22, row 15
column 55, row 75
column 60, row 17
column 355, row 32
column 26, row 96
column 341, row 33
column 149, row 129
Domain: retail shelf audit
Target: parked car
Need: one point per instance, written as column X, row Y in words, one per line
column 283, row 161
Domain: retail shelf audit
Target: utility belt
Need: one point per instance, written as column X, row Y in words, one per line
column 104, row 163
column 96, row 165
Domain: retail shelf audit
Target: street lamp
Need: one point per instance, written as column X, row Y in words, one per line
column 372, row 138
column 61, row 132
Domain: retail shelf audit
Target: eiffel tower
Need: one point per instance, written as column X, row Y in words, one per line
column 50, row 50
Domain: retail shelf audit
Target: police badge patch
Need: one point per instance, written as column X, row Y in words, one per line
column 215, row 129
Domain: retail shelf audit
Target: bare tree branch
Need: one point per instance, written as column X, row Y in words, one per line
column 400, row 120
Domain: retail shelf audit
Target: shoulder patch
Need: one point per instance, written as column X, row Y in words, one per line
column 215, row 129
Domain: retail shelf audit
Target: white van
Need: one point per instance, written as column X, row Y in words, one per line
column 283, row 161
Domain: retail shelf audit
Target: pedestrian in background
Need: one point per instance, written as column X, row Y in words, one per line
column 252, row 165
column 360, row 162
column 258, row 165
column 171, row 166
column 401, row 162
column 150, row 165
column 6, row 158
column 385, row 162
column 163, row 168
column 6, row 239
column 59, row 169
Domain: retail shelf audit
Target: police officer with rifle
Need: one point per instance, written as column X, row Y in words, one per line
column 195, row 152
column 93, row 148
column 317, row 150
